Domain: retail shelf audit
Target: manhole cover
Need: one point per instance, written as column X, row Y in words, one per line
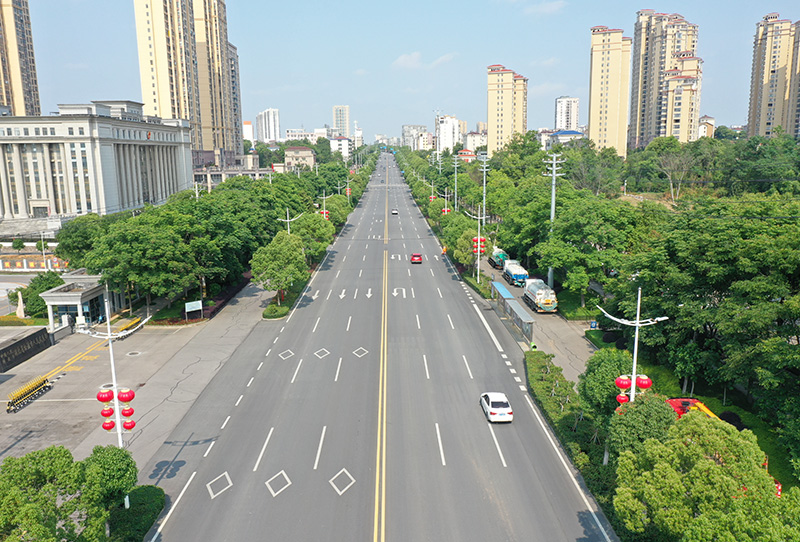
column 134, row 353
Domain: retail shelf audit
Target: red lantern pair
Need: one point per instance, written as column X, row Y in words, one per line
column 125, row 396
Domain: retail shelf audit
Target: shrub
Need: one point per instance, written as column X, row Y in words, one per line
column 275, row 311
column 12, row 320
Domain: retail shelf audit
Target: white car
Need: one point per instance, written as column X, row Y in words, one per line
column 394, row 211
column 496, row 407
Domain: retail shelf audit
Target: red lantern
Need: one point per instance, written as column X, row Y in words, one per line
column 107, row 412
column 128, row 424
column 105, row 396
column 622, row 398
column 623, row 382
column 125, row 395
column 127, row 412
column 108, row 425
column 643, row 381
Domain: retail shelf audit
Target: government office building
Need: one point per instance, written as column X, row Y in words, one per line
column 104, row 157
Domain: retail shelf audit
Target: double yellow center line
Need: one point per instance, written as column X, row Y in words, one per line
column 379, row 522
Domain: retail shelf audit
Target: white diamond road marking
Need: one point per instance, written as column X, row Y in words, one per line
column 321, row 353
column 523, row 388
column 360, row 352
column 286, row 354
column 517, row 379
column 285, row 479
column 228, row 486
column 345, row 488
column 513, row 371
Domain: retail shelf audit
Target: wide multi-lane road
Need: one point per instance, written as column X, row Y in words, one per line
column 357, row 418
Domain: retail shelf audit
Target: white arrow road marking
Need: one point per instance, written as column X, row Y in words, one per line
column 369, row 293
column 315, row 296
column 403, row 290
column 341, row 296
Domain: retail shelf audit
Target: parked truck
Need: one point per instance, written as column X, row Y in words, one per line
column 539, row 296
column 514, row 273
column 498, row 258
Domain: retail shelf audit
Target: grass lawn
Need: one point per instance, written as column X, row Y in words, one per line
column 482, row 288
column 595, row 336
column 569, row 305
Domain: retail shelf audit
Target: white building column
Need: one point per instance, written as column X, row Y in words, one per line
column 52, row 326
column 19, row 182
column 49, row 180
column 5, row 185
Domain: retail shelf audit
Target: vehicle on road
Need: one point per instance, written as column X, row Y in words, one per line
column 514, row 273
column 416, row 258
column 496, row 407
column 395, row 212
column 539, row 296
column 498, row 258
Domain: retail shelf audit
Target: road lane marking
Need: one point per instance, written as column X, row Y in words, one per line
column 440, row 293
column 359, row 272
column 441, row 449
column 251, row 381
column 451, row 322
column 379, row 518
column 209, row 448
column 432, row 273
column 344, row 258
column 418, row 327
column 316, row 324
column 337, row 273
column 412, row 293
column 225, row 422
column 259, row 366
column 172, row 509
column 329, row 295
column 263, row 449
column 239, row 400
column 296, row 371
column 75, row 358
column 355, row 295
column 486, row 325
column 267, row 354
column 425, row 361
column 566, row 467
column 276, row 340
column 409, row 272
column 468, row 370
column 364, row 258
column 497, row 445
column 336, row 378
column 319, row 448
column 349, row 318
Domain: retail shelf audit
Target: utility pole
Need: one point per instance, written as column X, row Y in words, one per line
column 553, row 167
column 484, row 157
column 455, row 178
column 289, row 221
column 481, row 216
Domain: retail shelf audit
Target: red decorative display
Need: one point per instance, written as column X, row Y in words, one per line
column 127, row 412
column 107, row 412
column 622, row 398
column 125, row 395
column 105, row 396
column 431, row 198
column 128, row 424
column 108, row 425
column 623, row 382
column 643, row 381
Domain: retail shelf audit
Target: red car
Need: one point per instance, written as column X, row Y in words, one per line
column 416, row 258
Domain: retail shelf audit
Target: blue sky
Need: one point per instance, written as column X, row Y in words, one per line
column 396, row 62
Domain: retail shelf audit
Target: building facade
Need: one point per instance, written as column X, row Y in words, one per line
column 609, row 80
column 507, row 106
column 342, row 145
column 298, row 158
column 19, row 87
column 567, row 111
column 666, row 79
column 341, row 120
column 236, row 98
column 448, row 132
column 706, row 127
column 774, row 77
column 410, row 134
column 104, row 157
column 473, row 140
column 248, row 132
column 268, row 125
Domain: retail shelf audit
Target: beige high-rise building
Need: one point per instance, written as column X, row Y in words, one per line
column 236, row 97
column 341, row 120
column 773, row 76
column 19, row 88
column 213, row 69
column 609, row 89
column 185, row 67
column 666, row 79
column 507, row 106
column 168, row 62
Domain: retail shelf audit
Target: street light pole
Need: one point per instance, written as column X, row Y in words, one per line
column 478, row 260
column 289, row 221
column 484, row 168
column 553, row 167
column 637, row 324
column 455, row 178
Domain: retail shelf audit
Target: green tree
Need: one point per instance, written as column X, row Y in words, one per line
column 77, row 237
column 316, row 233
column 41, row 245
column 34, row 304
column 704, row 482
column 280, row 264
column 18, row 244
column 649, row 416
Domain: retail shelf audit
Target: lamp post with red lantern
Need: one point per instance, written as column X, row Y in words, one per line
column 634, row 381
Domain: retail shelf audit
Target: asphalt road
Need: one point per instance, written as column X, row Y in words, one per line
column 357, row 417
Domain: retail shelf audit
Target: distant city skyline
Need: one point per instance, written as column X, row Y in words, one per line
column 388, row 78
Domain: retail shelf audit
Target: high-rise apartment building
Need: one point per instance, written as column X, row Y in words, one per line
column 507, row 106
column 410, row 135
column 19, row 88
column 236, row 97
column 168, row 62
column 774, row 77
column 268, row 125
column 341, row 120
column 447, row 132
column 566, row 113
column 666, row 79
column 609, row 80
column 185, row 69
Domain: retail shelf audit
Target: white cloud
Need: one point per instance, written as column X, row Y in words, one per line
column 413, row 61
column 545, row 8
column 360, row 71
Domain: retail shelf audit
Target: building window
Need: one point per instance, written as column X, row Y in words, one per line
column 71, row 131
column 80, row 130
